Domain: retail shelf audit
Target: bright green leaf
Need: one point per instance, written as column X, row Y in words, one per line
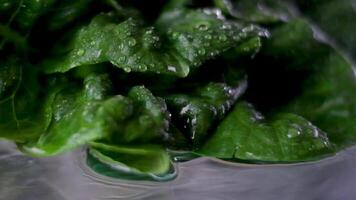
column 151, row 160
column 181, row 42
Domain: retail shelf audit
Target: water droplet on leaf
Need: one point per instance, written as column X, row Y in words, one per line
column 122, row 59
column 202, row 27
column 80, row 52
column 132, row 42
column 175, row 35
column 226, row 26
column 172, row 69
column 222, row 38
column 201, row 51
column 236, row 37
column 127, row 69
column 208, row 37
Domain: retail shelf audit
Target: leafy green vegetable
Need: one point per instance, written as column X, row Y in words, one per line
column 341, row 14
column 325, row 99
column 9, row 35
column 18, row 102
column 17, row 17
column 189, row 40
column 67, row 11
column 245, row 134
column 258, row 11
column 151, row 160
column 141, row 87
column 77, row 116
column 24, row 12
column 196, row 113
column 149, row 121
column 80, row 115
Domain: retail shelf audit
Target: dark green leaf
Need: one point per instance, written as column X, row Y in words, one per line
column 198, row 112
column 245, row 134
column 19, row 110
column 24, row 13
column 67, row 11
column 257, row 11
column 336, row 18
column 327, row 95
column 30, row 10
column 11, row 36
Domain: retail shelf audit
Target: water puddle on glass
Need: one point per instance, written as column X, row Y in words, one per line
column 67, row 177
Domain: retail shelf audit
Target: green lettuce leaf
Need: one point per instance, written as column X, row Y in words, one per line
column 336, row 18
column 77, row 116
column 197, row 112
column 146, row 160
column 8, row 35
column 246, row 135
column 149, row 121
column 181, row 42
column 67, row 11
column 17, row 17
column 257, row 11
column 24, row 12
column 80, row 114
column 300, row 79
column 19, row 107
column 326, row 80
column 65, row 81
